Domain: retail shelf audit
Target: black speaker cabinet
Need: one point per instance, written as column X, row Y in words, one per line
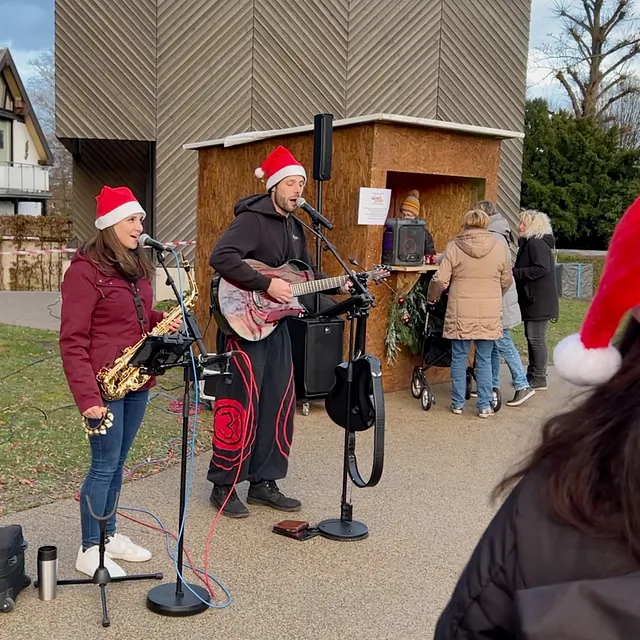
column 322, row 145
column 403, row 242
column 317, row 350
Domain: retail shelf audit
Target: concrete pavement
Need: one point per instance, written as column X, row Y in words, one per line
column 35, row 309
column 424, row 517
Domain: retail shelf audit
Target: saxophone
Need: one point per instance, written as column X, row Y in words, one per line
column 120, row 378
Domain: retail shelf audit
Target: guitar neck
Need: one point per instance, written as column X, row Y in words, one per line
column 314, row 286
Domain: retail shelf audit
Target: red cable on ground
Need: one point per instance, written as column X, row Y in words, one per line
column 176, row 407
column 249, row 386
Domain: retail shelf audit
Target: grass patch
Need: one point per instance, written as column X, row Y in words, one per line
column 44, row 454
column 571, row 313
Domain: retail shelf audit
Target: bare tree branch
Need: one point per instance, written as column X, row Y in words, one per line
column 591, row 57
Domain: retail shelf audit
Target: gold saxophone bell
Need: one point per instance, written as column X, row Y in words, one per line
column 121, row 378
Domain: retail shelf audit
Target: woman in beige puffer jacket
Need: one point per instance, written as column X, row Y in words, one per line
column 477, row 269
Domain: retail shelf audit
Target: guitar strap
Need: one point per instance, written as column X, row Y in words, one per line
column 377, row 399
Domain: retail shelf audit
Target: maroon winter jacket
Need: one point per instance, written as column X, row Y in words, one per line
column 98, row 320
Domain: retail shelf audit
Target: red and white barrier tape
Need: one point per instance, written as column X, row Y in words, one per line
column 36, row 252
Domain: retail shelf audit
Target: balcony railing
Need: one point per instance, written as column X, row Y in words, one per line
column 16, row 178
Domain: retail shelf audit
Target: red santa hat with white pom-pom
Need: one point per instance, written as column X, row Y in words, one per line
column 278, row 165
column 589, row 358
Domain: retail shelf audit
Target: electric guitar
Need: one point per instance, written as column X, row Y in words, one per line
column 253, row 315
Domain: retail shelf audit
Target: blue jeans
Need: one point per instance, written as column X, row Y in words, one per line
column 108, row 454
column 504, row 347
column 459, row 355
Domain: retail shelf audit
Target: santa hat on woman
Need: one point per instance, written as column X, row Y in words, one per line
column 115, row 204
column 589, row 358
column 278, row 165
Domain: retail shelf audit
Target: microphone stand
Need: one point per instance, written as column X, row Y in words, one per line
column 344, row 527
column 172, row 599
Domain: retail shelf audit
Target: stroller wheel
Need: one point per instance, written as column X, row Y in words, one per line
column 470, row 378
column 496, row 400
column 417, row 383
column 427, row 400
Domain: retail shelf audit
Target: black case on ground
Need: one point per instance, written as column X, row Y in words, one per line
column 13, row 578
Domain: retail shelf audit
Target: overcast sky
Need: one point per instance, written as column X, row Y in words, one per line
column 26, row 27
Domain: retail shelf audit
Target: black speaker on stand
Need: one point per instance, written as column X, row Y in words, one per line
column 316, row 342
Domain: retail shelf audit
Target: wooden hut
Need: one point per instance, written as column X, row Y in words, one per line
column 451, row 165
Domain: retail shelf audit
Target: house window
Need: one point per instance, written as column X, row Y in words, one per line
column 6, row 101
column 5, row 140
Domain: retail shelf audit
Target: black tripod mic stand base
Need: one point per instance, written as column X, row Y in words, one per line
column 164, row 600
column 348, row 530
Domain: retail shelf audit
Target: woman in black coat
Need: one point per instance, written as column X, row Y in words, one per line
column 535, row 276
column 561, row 559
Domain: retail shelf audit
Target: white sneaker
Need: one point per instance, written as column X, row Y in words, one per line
column 89, row 560
column 121, row 548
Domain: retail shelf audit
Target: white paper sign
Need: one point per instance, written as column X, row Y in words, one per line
column 373, row 206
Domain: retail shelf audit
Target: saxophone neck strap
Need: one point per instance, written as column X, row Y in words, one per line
column 138, row 304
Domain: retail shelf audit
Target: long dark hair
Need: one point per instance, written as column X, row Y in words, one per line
column 591, row 456
column 109, row 255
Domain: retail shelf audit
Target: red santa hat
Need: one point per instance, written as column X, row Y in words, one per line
column 115, row 204
column 278, row 165
column 589, row 358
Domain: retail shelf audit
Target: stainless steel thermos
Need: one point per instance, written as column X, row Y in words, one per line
column 47, row 572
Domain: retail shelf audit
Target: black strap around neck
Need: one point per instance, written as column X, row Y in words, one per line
column 138, row 303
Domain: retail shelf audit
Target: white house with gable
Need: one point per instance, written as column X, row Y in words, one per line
column 25, row 157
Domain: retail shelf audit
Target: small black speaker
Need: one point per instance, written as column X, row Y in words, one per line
column 403, row 242
column 316, row 345
column 322, row 145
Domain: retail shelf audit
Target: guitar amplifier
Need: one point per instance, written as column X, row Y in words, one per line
column 403, row 242
column 316, row 344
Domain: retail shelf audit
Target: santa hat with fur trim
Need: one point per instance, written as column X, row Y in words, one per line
column 278, row 165
column 589, row 358
column 115, row 204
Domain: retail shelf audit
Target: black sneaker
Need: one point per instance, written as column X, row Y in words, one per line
column 539, row 384
column 268, row 494
column 521, row 396
column 234, row 507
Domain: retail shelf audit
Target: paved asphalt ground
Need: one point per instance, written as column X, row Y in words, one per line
column 424, row 517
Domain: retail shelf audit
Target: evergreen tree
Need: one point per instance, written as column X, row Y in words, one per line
column 578, row 173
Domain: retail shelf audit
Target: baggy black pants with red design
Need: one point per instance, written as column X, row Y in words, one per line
column 265, row 414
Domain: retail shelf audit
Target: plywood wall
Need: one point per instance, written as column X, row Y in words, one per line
column 451, row 170
column 226, row 175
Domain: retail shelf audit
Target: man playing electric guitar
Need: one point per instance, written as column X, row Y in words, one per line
column 263, row 230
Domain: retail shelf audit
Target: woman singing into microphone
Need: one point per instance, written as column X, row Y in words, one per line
column 106, row 307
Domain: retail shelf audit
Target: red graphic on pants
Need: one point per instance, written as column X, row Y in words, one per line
column 229, row 419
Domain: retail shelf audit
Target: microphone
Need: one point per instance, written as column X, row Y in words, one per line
column 316, row 216
column 145, row 240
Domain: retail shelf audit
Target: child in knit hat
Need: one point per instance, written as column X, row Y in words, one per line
column 410, row 209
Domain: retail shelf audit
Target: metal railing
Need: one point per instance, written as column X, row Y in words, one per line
column 27, row 178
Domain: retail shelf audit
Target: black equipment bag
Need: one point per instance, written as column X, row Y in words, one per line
column 13, row 579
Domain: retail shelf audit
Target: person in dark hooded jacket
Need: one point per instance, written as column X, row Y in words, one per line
column 535, row 276
column 561, row 558
column 262, row 230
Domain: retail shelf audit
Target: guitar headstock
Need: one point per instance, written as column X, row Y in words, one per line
column 379, row 272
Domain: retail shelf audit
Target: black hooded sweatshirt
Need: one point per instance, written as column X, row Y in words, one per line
column 261, row 233
column 535, row 274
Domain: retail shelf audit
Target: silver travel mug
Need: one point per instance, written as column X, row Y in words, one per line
column 47, row 572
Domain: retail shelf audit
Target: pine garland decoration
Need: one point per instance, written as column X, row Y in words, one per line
column 405, row 323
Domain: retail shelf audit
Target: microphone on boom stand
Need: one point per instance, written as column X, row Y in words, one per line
column 316, row 216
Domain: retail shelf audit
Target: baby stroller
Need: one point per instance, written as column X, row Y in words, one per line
column 436, row 352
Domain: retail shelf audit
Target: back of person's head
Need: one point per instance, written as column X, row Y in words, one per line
column 475, row 219
column 487, row 206
column 534, row 224
column 591, row 455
